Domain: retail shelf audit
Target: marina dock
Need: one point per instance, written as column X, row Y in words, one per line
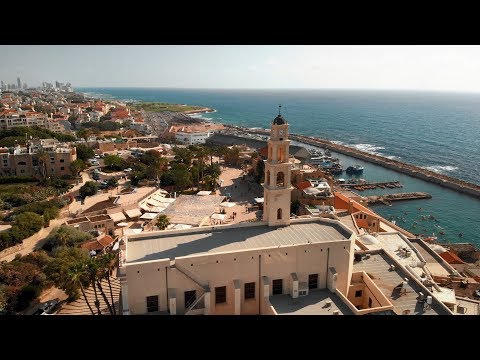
column 387, row 199
column 371, row 186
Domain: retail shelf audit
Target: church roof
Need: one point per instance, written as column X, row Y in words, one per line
column 279, row 120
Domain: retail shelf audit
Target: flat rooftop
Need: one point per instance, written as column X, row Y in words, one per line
column 312, row 304
column 378, row 268
column 193, row 209
column 177, row 243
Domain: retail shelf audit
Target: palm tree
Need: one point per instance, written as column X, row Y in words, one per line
column 109, row 264
column 91, row 272
column 42, row 160
column 77, row 276
column 162, row 222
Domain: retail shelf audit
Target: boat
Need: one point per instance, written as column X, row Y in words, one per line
column 327, row 152
column 336, row 170
column 357, row 169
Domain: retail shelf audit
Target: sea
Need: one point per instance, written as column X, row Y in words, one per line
column 438, row 131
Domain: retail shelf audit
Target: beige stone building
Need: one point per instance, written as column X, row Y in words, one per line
column 27, row 161
column 275, row 266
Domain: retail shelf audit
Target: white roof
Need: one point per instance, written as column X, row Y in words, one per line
column 116, row 217
column 218, row 216
column 133, row 213
column 228, row 204
column 132, row 231
column 149, row 216
column 145, row 207
column 259, row 200
column 204, row 193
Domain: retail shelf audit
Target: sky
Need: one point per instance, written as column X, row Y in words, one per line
column 439, row 68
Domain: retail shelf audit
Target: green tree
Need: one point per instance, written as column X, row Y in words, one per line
column 83, row 133
column 76, row 275
column 58, row 271
column 108, row 262
column 43, row 159
column 84, row 152
column 112, row 182
column 183, row 155
column 114, row 162
column 65, row 236
column 182, row 176
column 89, row 189
column 232, row 156
column 28, row 222
column 77, row 166
column 162, row 222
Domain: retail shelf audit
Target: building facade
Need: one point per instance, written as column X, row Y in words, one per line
column 192, row 138
column 39, row 160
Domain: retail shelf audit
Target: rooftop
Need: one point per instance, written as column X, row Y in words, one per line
column 193, row 209
column 214, row 239
column 377, row 266
column 312, row 304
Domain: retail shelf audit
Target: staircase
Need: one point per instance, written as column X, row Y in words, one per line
column 198, row 306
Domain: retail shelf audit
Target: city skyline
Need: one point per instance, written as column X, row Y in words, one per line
column 438, row 68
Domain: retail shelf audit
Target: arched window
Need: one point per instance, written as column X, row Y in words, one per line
column 279, row 214
column 267, row 178
column 280, row 179
column 22, row 163
column 281, row 154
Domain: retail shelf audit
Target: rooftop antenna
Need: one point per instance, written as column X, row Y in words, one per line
column 279, row 109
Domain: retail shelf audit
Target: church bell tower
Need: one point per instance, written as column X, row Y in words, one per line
column 277, row 188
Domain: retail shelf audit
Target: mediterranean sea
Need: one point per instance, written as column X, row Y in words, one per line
column 435, row 130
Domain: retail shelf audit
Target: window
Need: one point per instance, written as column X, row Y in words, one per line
column 280, row 179
column 267, row 178
column 190, row 297
column 62, row 160
column 277, row 287
column 313, row 281
column 152, row 303
column 22, row 171
column 62, row 168
column 358, row 293
column 220, row 294
column 22, row 163
column 250, row 290
column 279, row 214
column 369, row 302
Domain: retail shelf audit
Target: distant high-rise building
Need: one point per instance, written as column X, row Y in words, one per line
column 57, row 84
column 2, row 85
column 24, row 85
column 19, row 83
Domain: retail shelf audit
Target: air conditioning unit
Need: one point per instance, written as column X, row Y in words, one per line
column 336, row 312
column 328, row 303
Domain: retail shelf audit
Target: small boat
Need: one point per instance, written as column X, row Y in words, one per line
column 357, row 169
column 327, row 152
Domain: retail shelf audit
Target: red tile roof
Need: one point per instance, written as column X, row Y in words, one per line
column 302, row 185
column 451, row 258
column 98, row 244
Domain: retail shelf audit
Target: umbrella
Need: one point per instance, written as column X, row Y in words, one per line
column 122, row 224
column 148, row 216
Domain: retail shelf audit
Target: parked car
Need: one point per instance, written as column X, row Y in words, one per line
column 50, row 307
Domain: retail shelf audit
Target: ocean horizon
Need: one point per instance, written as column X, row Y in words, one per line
column 435, row 130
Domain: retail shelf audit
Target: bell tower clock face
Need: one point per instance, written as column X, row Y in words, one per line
column 281, row 132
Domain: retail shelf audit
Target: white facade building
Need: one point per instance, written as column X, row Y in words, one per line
column 192, row 138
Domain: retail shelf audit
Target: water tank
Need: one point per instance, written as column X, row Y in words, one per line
column 429, row 300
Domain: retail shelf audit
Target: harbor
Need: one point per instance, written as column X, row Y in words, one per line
column 361, row 186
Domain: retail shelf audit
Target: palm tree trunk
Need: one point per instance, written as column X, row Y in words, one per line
column 86, row 299
column 104, row 297
column 111, row 293
column 97, row 302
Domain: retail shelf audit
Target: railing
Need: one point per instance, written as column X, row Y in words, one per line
column 192, row 306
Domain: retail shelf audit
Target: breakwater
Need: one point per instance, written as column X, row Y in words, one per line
column 411, row 170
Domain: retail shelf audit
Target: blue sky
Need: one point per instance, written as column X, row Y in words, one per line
column 247, row 66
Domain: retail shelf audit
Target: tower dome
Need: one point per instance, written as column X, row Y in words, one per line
column 279, row 120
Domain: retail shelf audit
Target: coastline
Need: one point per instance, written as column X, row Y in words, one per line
column 408, row 169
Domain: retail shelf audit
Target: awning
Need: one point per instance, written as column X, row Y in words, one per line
column 228, row 204
column 132, row 231
column 218, row 216
column 149, row 216
column 204, row 193
column 116, row 246
column 259, row 200
column 157, row 197
column 154, row 202
column 116, row 217
column 133, row 213
column 145, row 207
column 157, row 209
column 167, row 200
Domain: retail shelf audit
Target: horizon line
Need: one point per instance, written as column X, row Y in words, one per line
column 280, row 89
